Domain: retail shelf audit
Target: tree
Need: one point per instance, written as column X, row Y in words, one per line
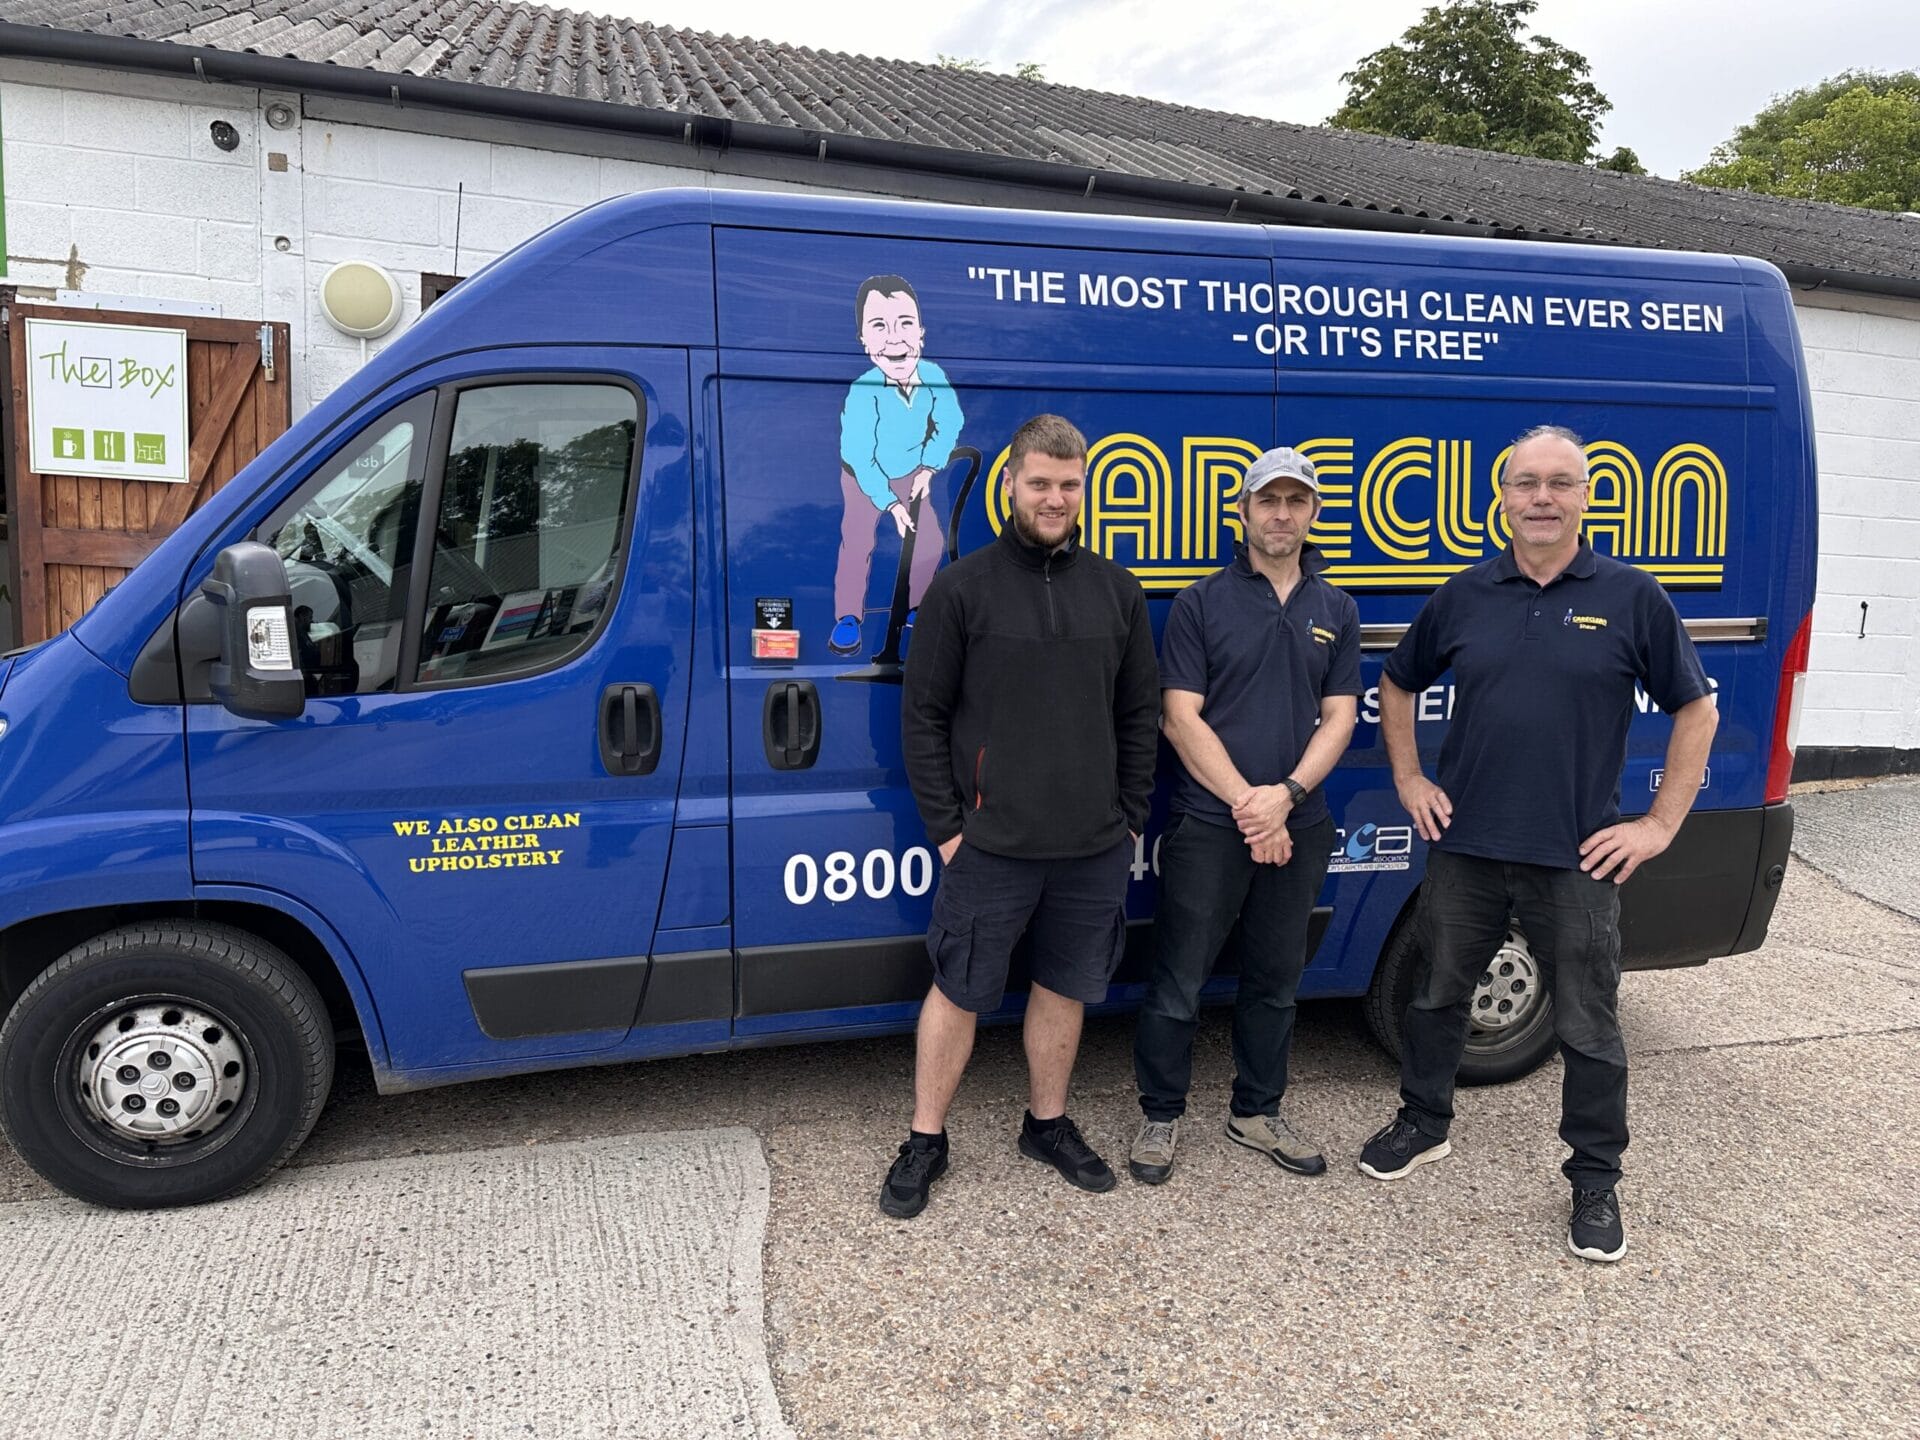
column 1463, row 75
column 1025, row 70
column 1853, row 140
column 1622, row 160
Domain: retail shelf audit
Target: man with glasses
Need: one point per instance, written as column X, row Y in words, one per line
column 1545, row 641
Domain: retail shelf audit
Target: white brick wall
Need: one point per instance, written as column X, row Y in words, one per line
column 113, row 186
column 1863, row 362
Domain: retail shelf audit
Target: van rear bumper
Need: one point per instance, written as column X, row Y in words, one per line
column 1711, row 894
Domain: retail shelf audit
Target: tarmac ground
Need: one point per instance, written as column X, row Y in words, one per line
column 1769, row 1287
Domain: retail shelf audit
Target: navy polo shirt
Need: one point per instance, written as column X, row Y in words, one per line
column 1543, row 694
column 1263, row 668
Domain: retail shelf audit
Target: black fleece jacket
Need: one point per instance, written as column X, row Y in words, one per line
column 1030, row 713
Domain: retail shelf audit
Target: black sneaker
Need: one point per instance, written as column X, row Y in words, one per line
column 1399, row 1149
column 1058, row 1143
column 1595, row 1232
column 921, row 1162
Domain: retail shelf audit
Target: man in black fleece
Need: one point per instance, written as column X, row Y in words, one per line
column 1029, row 722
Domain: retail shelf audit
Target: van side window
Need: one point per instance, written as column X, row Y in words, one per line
column 530, row 527
column 347, row 539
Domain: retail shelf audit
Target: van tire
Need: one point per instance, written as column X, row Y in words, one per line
column 1492, row 1057
column 215, row 1033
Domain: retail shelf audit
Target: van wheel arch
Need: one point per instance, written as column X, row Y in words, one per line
column 31, row 946
column 1513, row 1045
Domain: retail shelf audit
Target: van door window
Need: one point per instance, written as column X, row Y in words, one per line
column 527, row 541
column 347, row 539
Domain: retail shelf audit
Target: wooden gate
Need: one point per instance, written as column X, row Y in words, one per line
column 74, row 537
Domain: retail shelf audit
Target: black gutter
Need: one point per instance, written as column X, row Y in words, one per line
column 719, row 135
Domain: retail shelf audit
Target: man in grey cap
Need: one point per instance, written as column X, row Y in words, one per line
column 1260, row 679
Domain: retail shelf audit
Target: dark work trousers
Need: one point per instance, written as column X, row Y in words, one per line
column 1208, row 881
column 1572, row 924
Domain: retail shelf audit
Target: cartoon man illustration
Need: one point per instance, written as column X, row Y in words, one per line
column 897, row 429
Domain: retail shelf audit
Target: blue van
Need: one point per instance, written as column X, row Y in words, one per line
column 534, row 701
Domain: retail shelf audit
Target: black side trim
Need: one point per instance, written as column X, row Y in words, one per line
column 1853, row 762
column 696, row 985
column 512, row 1002
column 841, row 974
column 833, row 974
column 1699, row 900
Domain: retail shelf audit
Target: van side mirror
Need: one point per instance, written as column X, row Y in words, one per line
column 256, row 676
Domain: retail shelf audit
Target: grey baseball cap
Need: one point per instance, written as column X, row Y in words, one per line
column 1282, row 463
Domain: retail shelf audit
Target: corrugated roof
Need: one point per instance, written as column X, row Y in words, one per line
column 539, row 50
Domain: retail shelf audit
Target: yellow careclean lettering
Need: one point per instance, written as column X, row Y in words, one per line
column 1669, row 519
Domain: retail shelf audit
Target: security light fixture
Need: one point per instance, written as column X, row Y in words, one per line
column 360, row 298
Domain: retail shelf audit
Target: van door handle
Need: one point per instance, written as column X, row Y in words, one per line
column 629, row 729
column 790, row 724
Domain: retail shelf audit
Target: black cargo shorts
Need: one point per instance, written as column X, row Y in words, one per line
column 1074, row 909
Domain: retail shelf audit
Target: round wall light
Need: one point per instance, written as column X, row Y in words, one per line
column 360, row 298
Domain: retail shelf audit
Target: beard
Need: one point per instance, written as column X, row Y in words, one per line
column 1024, row 527
column 1278, row 548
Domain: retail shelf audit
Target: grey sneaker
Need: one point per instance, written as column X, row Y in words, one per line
column 1151, row 1159
column 1274, row 1138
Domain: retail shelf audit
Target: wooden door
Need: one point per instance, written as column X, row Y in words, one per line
column 74, row 537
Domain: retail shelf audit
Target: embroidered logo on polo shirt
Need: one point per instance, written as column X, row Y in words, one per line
column 1585, row 622
column 1321, row 635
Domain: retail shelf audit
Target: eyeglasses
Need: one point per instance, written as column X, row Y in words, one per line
column 1532, row 485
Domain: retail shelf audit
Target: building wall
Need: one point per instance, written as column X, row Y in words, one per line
column 1863, row 363
column 114, row 188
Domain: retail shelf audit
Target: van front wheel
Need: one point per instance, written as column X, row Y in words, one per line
column 1510, row 1014
column 161, row 1065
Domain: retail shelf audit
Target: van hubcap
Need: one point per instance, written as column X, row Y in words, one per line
column 161, row 1070
column 1509, row 988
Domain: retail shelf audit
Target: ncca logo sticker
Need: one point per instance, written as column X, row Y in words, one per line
column 1372, row 847
column 1405, row 516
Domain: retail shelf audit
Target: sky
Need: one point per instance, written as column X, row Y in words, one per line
column 1682, row 74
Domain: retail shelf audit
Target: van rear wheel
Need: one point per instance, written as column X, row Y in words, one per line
column 1510, row 1014
column 161, row 1065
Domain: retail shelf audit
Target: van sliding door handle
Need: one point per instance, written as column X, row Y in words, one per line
column 629, row 729
column 790, row 724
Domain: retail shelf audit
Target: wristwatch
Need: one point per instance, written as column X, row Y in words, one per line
column 1295, row 789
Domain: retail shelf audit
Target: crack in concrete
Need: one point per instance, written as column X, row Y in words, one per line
column 1777, row 1042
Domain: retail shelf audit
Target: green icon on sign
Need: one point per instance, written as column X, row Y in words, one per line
column 110, row 445
column 70, row 444
column 149, row 449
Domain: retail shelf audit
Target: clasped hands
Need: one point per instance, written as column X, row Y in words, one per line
column 1261, row 813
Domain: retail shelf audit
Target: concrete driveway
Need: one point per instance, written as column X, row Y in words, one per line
column 1768, row 1289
